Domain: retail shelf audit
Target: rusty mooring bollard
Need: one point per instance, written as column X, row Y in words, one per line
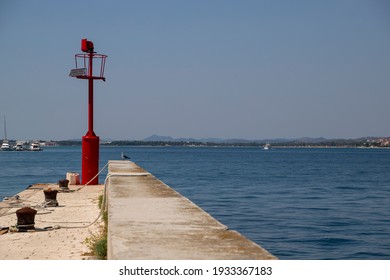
column 63, row 184
column 51, row 197
column 26, row 218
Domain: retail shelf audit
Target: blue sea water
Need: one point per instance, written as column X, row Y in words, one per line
column 296, row 203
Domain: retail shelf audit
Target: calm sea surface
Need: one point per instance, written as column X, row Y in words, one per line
column 297, row 203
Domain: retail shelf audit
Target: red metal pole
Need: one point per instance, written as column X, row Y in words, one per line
column 90, row 95
column 90, row 142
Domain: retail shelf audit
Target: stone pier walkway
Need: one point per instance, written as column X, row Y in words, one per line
column 76, row 210
column 148, row 220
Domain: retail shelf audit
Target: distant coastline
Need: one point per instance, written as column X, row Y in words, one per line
column 164, row 141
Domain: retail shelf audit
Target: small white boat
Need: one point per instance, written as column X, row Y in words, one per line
column 5, row 145
column 19, row 146
column 35, row 146
column 267, row 146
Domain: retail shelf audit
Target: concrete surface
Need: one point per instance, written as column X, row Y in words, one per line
column 75, row 211
column 147, row 220
column 150, row 221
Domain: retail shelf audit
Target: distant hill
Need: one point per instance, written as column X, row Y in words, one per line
column 303, row 141
column 158, row 138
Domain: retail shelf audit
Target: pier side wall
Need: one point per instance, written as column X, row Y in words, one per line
column 148, row 220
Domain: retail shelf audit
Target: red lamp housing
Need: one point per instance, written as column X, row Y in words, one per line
column 86, row 46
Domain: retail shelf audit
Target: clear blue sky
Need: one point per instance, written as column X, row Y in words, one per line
column 227, row 69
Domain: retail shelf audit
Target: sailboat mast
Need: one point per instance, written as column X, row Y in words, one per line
column 5, row 129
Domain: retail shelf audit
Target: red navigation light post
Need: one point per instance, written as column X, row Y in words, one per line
column 90, row 142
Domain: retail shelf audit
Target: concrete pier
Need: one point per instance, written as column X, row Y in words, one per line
column 69, row 224
column 150, row 221
column 147, row 220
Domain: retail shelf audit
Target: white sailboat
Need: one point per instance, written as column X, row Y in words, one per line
column 5, row 145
